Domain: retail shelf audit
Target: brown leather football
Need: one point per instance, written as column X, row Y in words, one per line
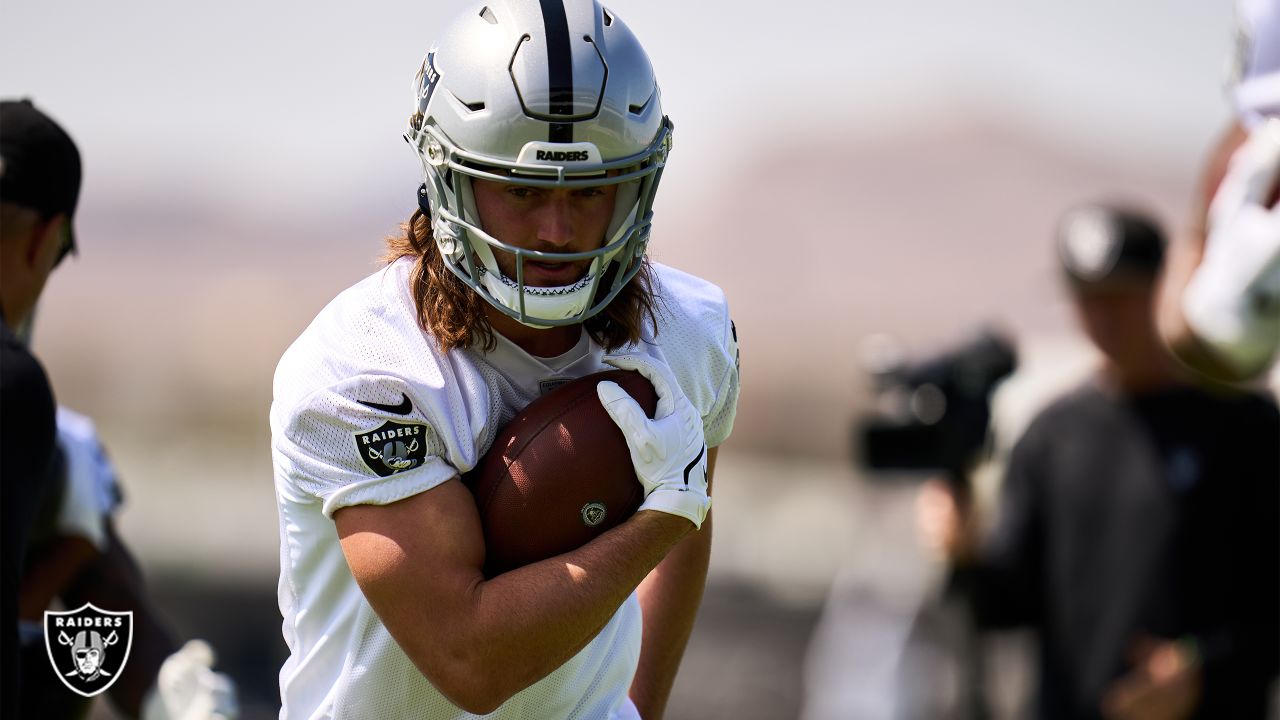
column 558, row 475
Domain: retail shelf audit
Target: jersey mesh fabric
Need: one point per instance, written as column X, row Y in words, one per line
column 697, row 339
column 366, row 347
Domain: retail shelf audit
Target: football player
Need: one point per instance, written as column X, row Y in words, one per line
column 542, row 139
column 1222, row 312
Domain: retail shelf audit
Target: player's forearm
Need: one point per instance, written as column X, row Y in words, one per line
column 1231, row 302
column 670, row 597
column 520, row 626
column 1196, row 354
column 577, row 593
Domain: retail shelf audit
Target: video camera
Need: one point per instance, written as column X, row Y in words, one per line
column 934, row 414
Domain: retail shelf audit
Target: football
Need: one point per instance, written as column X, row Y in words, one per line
column 557, row 475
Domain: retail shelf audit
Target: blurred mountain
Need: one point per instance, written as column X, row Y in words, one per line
column 925, row 236
column 173, row 317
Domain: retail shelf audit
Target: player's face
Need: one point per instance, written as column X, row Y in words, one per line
column 547, row 219
column 1120, row 321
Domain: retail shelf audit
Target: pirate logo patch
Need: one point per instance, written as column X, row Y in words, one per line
column 393, row 447
column 88, row 647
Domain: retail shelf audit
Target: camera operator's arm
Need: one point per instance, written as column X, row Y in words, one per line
column 1000, row 567
column 946, row 526
column 1006, row 572
column 1218, row 667
column 1239, row 651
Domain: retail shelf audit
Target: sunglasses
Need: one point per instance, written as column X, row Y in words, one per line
column 67, row 243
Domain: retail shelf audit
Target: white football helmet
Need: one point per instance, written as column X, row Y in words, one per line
column 1256, row 88
column 546, row 94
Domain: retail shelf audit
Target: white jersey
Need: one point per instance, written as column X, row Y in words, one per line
column 368, row 410
column 91, row 491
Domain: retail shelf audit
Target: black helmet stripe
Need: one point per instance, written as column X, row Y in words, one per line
column 559, row 68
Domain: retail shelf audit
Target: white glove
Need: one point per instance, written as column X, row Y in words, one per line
column 669, row 452
column 188, row 689
column 1233, row 300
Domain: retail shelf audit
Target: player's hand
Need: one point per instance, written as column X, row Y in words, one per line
column 1251, row 177
column 1163, row 685
column 1233, row 300
column 669, row 452
column 188, row 688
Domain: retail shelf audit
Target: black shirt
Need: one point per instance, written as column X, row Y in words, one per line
column 28, row 433
column 1155, row 515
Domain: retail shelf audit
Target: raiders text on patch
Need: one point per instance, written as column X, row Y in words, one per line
column 393, row 447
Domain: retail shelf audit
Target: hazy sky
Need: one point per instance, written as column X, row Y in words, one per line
column 250, row 154
column 270, row 107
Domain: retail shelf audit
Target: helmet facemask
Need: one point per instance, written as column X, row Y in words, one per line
column 468, row 250
column 482, row 113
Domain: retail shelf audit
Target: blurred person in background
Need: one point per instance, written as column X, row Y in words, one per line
column 69, row 549
column 39, row 187
column 1221, row 312
column 76, row 556
column 1136, row 530
column 542, row 138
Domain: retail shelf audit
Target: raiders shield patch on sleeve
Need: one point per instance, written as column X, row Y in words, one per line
column 394, row 447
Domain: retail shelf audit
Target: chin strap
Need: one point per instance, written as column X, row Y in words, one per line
column 424, row 202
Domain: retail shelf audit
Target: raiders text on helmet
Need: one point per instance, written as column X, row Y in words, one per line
column 546, row 94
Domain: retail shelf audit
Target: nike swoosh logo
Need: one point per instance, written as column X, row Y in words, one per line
column 404, row 408
column 689, row 468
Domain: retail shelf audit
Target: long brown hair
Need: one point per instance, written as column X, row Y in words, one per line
column 455, row 314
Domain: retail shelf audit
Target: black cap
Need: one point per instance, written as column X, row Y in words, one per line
column 1101, row 245
column 39, row 163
